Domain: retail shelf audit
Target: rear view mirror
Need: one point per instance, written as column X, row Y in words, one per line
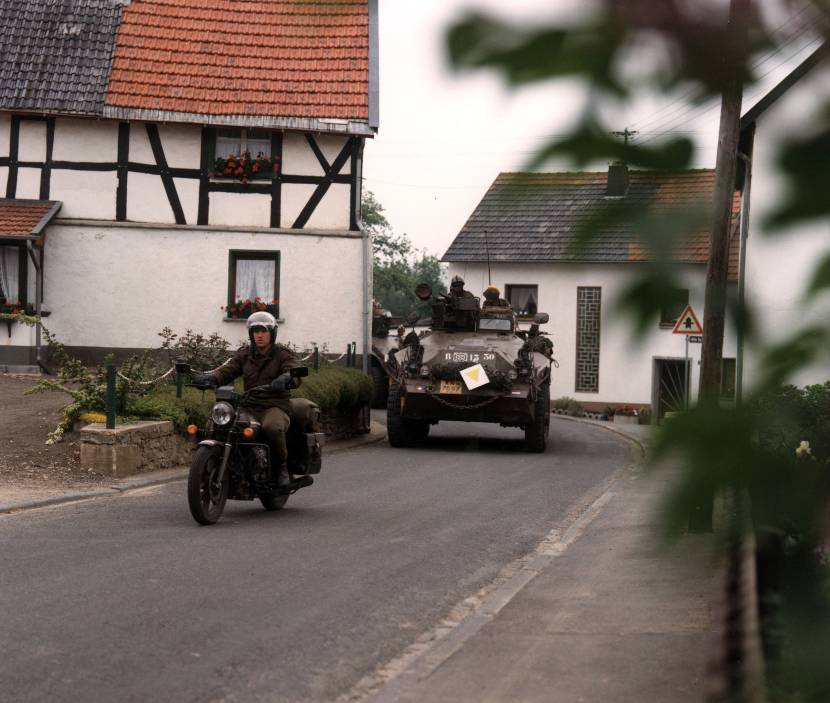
column 541, row 318
column 299, row 372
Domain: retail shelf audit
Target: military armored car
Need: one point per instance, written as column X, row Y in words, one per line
column 474, row 365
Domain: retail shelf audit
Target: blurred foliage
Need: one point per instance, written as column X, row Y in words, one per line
column 686, row 48
column 398, row 268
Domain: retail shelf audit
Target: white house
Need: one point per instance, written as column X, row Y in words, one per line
column 529, row 225
column 122, row 127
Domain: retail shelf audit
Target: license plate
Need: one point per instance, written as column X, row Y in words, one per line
column 451, row 387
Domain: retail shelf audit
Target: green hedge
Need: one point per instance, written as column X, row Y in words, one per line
column 334, row 389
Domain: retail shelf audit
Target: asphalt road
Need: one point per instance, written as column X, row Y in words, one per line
column 126, row 598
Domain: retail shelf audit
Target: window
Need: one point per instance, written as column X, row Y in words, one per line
column 12, row 275
column 238, row 141
column 588, row 310
column 254, row 276
column 728, row 376
column 524, row 299
column 672, row 306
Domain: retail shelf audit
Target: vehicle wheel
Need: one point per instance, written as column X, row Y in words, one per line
column 273, row 501
column 206, row 495
column 380, row 381
column 401, row 432
column 536, row 433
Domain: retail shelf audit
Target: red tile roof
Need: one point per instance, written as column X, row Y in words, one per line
column 21, row 219
column 281, row 58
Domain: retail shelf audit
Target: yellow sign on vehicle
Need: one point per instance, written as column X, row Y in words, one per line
column 474, row 377
column 452, row 387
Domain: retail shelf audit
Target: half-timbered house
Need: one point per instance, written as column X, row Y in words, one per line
column 164, row 159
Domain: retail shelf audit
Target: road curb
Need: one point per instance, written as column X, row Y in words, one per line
column 621, row 433
column 377, row 433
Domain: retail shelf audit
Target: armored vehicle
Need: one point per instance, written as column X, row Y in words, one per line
column 475, row 365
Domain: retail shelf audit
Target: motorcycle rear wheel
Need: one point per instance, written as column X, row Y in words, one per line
column 206, row 496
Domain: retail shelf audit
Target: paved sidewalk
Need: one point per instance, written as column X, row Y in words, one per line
column 598, row 613
column 13, row 499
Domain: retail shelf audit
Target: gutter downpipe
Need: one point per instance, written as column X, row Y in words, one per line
column 38, row 297
column 739, row 355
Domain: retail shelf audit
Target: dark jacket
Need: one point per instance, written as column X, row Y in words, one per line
column 259, row 369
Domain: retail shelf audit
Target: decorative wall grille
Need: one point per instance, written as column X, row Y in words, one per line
column 588, row 305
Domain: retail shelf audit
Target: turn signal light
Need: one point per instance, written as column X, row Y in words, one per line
column 248, row 432
column 192, row 429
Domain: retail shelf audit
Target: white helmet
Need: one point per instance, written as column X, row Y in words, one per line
column 262, row 319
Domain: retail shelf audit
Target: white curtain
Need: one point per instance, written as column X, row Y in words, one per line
column 9, row 274
column 255, row 277
column 523, row 299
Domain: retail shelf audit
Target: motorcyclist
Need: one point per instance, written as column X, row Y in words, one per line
column 264, row 363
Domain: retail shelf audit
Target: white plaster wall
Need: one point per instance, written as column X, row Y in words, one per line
column 85, row 140
column 28, row 183
column 85, row 194
column 182, row 144
column 119, row 286
column 781, row 262
column 147, row 200
column 32, row 144
column 240, row 210
column 299, row 159
column 4, row 177
column 332, row 212
column 5, row 133
column 21, row 336
column 626, row 362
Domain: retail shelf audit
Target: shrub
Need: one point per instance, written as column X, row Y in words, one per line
column 336, row 389
column 644, row 417
column 191, row 408
column 202, row 353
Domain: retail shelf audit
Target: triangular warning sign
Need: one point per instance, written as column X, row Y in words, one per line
column 687, row 323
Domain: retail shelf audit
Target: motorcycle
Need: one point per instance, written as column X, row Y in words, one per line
column 233, row 460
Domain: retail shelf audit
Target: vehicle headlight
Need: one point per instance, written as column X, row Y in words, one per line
column 222, row 413
column 424, row 371
column 512, row 374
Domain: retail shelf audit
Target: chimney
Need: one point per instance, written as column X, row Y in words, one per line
column 617, row 179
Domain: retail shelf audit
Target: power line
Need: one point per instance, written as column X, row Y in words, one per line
column 698, row 112
column 684, row 98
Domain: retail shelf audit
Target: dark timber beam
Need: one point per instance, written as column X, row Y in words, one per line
column 166, row 176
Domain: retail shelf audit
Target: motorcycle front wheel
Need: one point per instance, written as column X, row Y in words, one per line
column 206, row 495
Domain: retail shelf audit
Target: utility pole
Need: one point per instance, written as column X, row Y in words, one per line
column 714, row 311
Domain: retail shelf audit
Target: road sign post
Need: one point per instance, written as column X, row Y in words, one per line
column 689, row 326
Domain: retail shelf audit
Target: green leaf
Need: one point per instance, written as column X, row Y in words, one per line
column 821, row 278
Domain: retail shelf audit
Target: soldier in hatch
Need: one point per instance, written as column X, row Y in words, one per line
column 457, row 288
column 492, row 298
column 263, row 363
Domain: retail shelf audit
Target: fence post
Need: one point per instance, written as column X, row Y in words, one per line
column 349, row 355
column 316, row 358
column 179, row 384
column 110, row 401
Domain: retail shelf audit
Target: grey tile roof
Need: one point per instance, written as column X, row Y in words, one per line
column 538, row 217
column 55, row 55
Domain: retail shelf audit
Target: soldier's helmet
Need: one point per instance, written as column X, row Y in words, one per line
column 262, row 320
column 457, row 284
column 492, row 294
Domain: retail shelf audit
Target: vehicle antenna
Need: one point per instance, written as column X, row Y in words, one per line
column 487, row 249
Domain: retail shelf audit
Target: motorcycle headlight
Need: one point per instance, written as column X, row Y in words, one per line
column 512, row 374
column 424, row 371
column 222, row 413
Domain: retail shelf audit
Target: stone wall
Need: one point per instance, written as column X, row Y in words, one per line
column 151, row 446
column 133, row 448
